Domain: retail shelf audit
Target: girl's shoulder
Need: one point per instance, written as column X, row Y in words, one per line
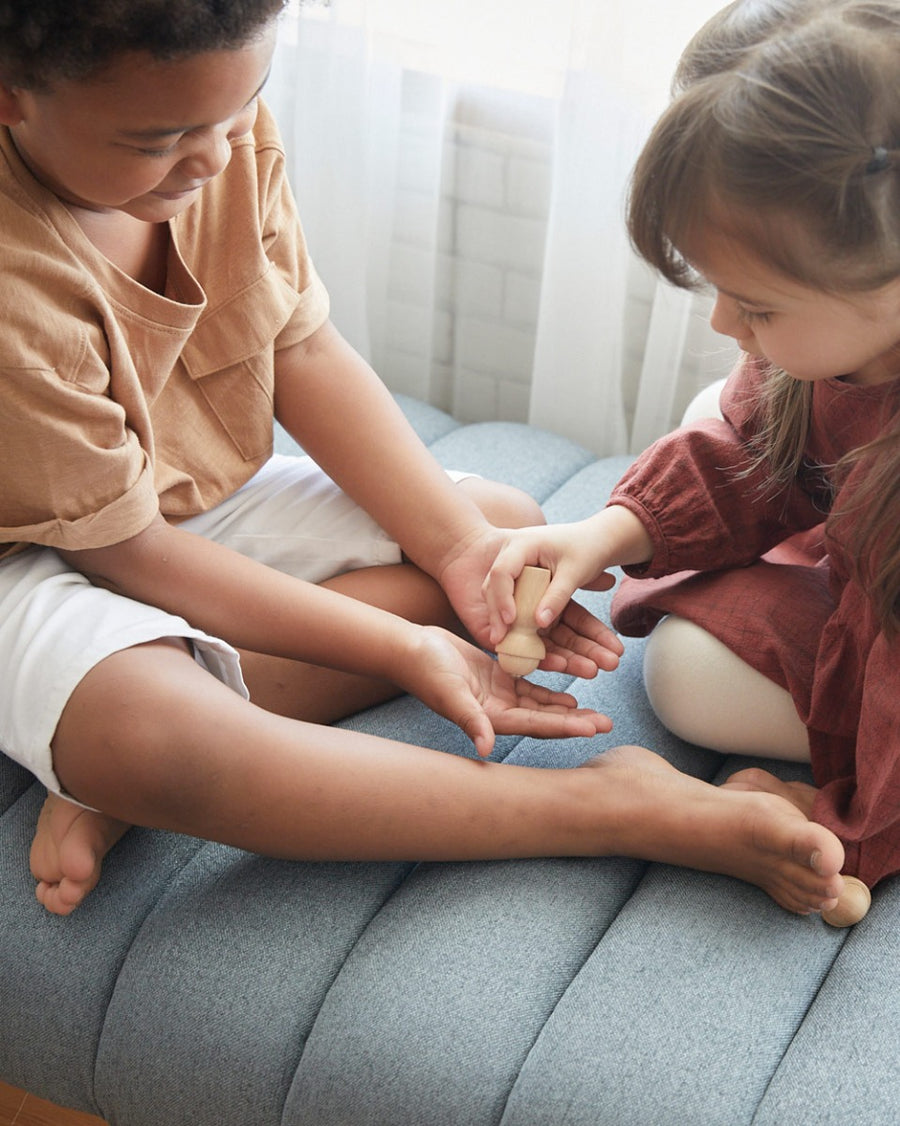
column 848, row 415
column 743, row 394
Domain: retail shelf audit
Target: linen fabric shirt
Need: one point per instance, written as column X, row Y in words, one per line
column 772, row 580
column 119, row 402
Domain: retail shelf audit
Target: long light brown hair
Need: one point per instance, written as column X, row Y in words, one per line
column 784, row 135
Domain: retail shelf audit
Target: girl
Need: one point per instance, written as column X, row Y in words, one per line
column 767, row 543
column 157, row 305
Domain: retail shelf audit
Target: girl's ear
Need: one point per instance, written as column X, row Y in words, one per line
column 10, row 108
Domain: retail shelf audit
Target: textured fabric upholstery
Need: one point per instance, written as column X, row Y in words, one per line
column 202, row 986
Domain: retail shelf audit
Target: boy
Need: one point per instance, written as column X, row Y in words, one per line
column 158, row 307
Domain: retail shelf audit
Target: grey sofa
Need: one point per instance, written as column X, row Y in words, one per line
column 201, row 986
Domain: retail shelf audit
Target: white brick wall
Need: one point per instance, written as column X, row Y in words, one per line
column 461, row 329
column 462, row 324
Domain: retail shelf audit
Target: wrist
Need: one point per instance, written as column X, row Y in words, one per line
column 619, row 537
column 393, row 650
column 442, row 545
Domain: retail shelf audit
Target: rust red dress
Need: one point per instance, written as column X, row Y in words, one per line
column 763, row 575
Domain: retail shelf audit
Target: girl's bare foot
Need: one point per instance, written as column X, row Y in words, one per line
column 758, row 834
column 800, row 794
column 67, row 852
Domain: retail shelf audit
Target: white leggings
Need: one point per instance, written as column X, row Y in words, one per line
column 705, row 694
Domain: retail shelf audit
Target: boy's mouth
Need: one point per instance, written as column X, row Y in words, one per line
column 182, row 194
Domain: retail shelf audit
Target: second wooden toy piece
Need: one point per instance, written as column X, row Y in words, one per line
column 522, row 650
column 852, row 906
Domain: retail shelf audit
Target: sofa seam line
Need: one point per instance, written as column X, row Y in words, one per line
column 797, row 1030
column 410, row 868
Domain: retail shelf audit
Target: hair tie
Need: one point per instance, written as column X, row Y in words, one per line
column 880, row 161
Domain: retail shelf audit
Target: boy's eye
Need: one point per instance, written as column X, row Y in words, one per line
column 167, row 151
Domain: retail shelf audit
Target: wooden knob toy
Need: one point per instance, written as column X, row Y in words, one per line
column 522, row 650
column 852, row 906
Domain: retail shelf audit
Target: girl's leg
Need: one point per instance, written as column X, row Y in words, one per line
column 705, row 694
column 153, row 739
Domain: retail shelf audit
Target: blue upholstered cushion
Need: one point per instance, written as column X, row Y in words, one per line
column 201, row 986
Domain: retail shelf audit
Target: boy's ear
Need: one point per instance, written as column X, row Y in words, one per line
column 10, row 107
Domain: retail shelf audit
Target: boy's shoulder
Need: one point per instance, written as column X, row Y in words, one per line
column 32, row 219
column 24, row 217
column 262, row 147
column 41, row 280
column 240, row 198
column 265, row 133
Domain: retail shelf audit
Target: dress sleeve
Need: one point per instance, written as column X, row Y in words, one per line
column 699, row 498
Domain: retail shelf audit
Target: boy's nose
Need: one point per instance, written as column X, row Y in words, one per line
column 209, row 158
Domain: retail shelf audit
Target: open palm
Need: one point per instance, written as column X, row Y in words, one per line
column 465, row 685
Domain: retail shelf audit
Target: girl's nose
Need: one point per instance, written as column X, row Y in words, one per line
column 724, row 317
column 720, row 320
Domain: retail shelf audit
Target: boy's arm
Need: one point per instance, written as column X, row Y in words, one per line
column 335, row 405
column 255, row 607
column 332, row 402
column 337, row 408
column 246, row 603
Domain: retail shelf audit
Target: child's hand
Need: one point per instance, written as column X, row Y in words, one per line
column 465, row 685
column 568, row 553
column 479, row 582
column 580, row 644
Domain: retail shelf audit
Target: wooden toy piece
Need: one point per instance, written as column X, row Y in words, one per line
column 522, row 650
column 852, row 906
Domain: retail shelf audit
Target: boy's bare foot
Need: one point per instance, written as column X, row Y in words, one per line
column 855, row 899
column 758, row 834
column 67, row 852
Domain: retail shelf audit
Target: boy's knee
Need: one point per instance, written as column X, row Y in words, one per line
column 504, row 505
column 129, row 721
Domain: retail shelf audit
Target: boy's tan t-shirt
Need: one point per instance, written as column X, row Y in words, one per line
column 118, row 402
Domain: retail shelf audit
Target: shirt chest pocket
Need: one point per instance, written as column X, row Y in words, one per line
column 229, row 359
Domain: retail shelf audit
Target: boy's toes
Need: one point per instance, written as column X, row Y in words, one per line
column 63, row 897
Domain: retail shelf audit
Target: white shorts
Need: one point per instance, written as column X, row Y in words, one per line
column 55, row 626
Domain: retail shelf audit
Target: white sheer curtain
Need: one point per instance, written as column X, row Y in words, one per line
column 461, row 171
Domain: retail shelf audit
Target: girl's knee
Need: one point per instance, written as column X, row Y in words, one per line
column 705, row 694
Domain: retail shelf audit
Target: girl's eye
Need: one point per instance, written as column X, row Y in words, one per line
column 752, row 316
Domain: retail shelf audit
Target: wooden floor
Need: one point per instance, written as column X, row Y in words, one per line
column 17, row 1108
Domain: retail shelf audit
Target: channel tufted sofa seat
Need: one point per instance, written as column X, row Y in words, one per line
column 203, row 986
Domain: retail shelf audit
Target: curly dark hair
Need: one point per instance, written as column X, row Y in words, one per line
column 43, row 41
